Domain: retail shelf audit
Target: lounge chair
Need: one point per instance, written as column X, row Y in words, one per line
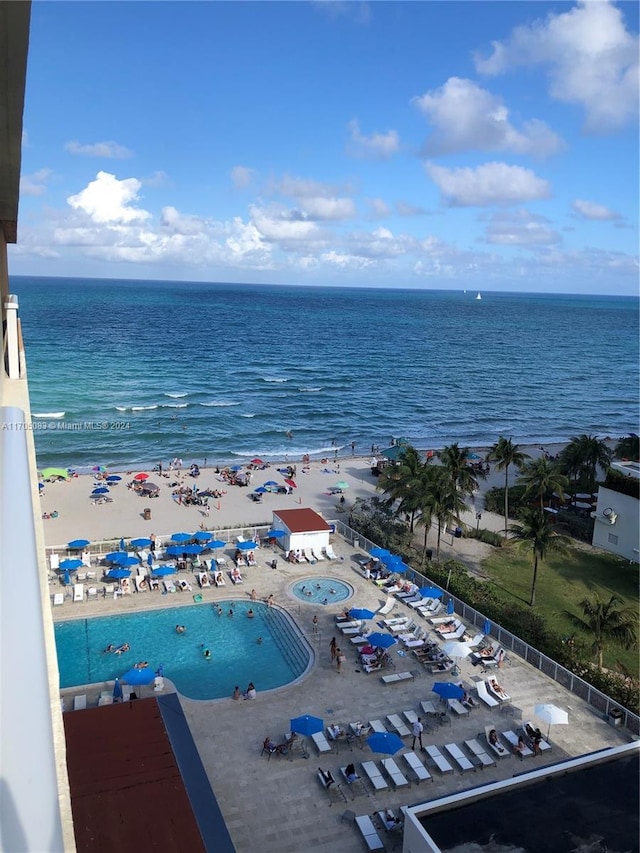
column 373, row 774
column 359, row 640
column 429, row 708
column 141, row 583
column 58, row 599
column 54, row 561
column 378, row 726
column 405, row 629
column 78, row 592
column 457, row 707
column 356, row 785
column 236, row 576
column 80, row 702
column 499, row 692
column 395, row 774
column 396, row 622
column 322, row 744
column 374, row 666
column 169, row 585
column 387, row 607
column 158, row 684
column 459, row 757
column 219, row 579
column 154, row 584
column 438, row 759
column 92, row 592
column 331, row 555
column 184, row 585
column 396, row 676
column 369, row 833
column 495, row 748
column 351, row 631
column 512, row 738
column 316, row 556
column 400, row 728
column 105, row 700
column 483, row 694
column 125, row 586
column 543, row 745
column 479, row 752
column 418, row 768
column 203, row 579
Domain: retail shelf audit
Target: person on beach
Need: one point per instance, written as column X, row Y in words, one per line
column 142, row 664
column 259, row 641
column 250, row 613
column 332, row 649
column 254, row 595
column 250, row 692
column 236, row 692
column 206, row 653
column 314, row 622
column 340, row 659
column 270, row 600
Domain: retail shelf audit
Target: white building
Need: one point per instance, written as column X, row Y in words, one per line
column 304, row 529
column 617, row 515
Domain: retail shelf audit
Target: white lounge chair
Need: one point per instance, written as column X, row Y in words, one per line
column 125, row 586
column 414, row 763
column 78, row 592
column 395, row 774
column 488, row 700
column 396, row 676
column 459, row 757
column 373, row 774
column 92, row 592
column 54, row 561
column 236, row 576
column 429, row 708
column 479, row 752
column 203, row 579
column 169, row 585
column 331, row 555
column 80, row 702
column 322, row 744
column 158, row 684
column 544, row 745
column 512, row 738
column 316, row 556
column 396, row 621
column 369, row 832
column 495, row 748
column 400, row 728
column 457, row 707
column 438, row 759
column 387, row 607
column 142, row 585
column 86, row 558
column 58, row 599
column 219, row 580
column 184, row 585
column 499, row 692
column 378, row 726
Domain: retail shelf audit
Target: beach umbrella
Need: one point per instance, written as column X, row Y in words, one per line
column 175, row 550
column 455, row 649
column 291, row 483
column 47, row 473
column 122, row 547
column 192, row 549
column 101, row 490
column 142, row 542
column 260, row 490
column 450, row 607
column 341, row 485
column 386, row 742
column 398, row 566
column 473, row 456
column 552, row 715
column 114, row 556
column 430, row 592
column 447, row 690
column 66, row 578
column 306, row 725
column 141, row 477
column 78, row 544
column 117, row 689
column 275, row 534
column 181, row 537
column 381, row 641
column 247, row 546
column 99, row 469
column 128, row 560
column 361, row 613
column 118, row 574
column 380, row 553
column 161, row 571
column 236, row 467
column 271, row 483
column 217, row 543
column 150, row 558
column 143, row 675
column 114, row 478
column 203, row 536
column 257, row 462
column 70, row 565
column 486, row 628
column 41, row 486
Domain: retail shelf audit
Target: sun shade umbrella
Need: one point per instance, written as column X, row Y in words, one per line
column 114, row 556
column 552, row 715
column 361, row 613
column 260, row 490
column 381, row 641
column 447, row 690
column 181, row 537
column 380, row 553
column 118, row 574
column 129, row 560
column 247, row 546
column 430, row 592
column 140, row 477
column 71, row 564
column 341, row 486
column 386, row 742
column 192, row 549
column 99, row 469
column 143, row 542
column 117, row 689
column 78, row 544
column 47, row 473
column 450, row 607
column 397, row 566
column 271, row 483
column 101, row 490
column 217, row 543
column 291, row 483
column 306, row 725
column 275, row 534
column 203, row 536
column 144, row 675
column 257, row 462
column 454, row 649
column 114, row 478
column 486, row 628
column 161, row 571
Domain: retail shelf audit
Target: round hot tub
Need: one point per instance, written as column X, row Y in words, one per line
column 316, row 590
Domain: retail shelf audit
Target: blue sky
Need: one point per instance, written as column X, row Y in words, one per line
column 413, row 144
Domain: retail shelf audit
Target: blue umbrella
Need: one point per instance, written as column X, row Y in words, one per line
column 123, row 562
column 176, row 550
column 380, row 553
column 161, row 571
column 66, row 578
column 113, row 478
column 143, row 542
column 361, row 613
column 150, row 559
column 117, row 689
column 270, row 483
column 122, row 547
column 398, row 567
column 203, row 536
column 71, row 565
column 447, row 690
column 144, row 675
column 486, row 628
column 450, row 606
column 236, row 467
column 101, row 490
column 181, row 537
column 114, row 556
column 260, row 490
column 381, row 641
column 385, row 742
column 275, row 534
column 247, row 546
column 78, row 544
column 118, row 574
column 430, row 592
column 217, row 543
column 192, row 549
column 306, row 725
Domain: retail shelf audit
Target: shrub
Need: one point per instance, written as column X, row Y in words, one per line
column 576, row 526
column 484, row 535
column 619, row 482
column 494, row 500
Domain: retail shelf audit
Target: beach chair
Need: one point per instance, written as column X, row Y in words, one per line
column 158, row 684
column 141, row 583
column 169, row 585
column 459, row 757
column 322, row 744
column 154, row 584
column 484, row 696
column 359, row 640
column 495, row 748
column 438, row 759
column 54, row 561
column 499, row 692
column 369, row 833
column 429, row 708
column 219, row 579
column 457, row 707
column 378, row 726
column 331, row 786
column 92, row 593
column 387, row 607
column 396, row 621
column 78, row 592
column 512, row 738
column 125, row 586
column 375, row 777
column 184, row 585
column 543, row 746
column 417, row 767
column 236, row 576
column 58, row 599
column 356, row 786
column 80, row 702
column 395, row 774
column 203, row 580
column 317, row 556
column 330, row 553
column 480, row 753
column 81, row 576
column 397, row 724
column 396, row 676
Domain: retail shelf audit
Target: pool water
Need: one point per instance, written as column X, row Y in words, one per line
column 315, row 590
column 236, row 655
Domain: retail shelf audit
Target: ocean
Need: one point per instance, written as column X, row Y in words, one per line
column 130, row 373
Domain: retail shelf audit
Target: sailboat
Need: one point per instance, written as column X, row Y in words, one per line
column 479, row 295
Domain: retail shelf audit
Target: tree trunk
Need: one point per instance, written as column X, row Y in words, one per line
column 506, row 501
column 424, row 550
column 438, row 545
column 532, row 602
column 600, row 655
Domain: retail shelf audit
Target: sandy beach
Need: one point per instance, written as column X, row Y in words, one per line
column 77, row 517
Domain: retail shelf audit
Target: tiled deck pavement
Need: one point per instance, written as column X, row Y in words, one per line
column 278, row 806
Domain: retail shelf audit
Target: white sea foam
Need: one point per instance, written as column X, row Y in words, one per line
column 174, row 405
column 310, row 390
column 121, row 408
column 248, row 415
column 142, row 408
column 273, row 379
column 172, row 394
column 220, row 403
column 48, row 414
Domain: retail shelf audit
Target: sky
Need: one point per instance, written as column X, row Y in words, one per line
column 482, row 145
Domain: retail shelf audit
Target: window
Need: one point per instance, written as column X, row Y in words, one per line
column 613, row 539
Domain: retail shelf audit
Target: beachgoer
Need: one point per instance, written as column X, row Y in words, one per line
column 314, row 622
column 110, row 648
column 520, row 747
column 391, row 821
column 416, row 731
column 259, row 641
column 207, row 654
column 141, row 664
column 270, row 600
column 250, row 692
column 230, row 611
column 180, row 629
column 122, row 649
column 340, row 659
column 350, row 773
column 493, row 737
column 236, row 692
column 254, row 595
column 332, row 649
column 500, row 658
column 250, row 613
column 327, row 778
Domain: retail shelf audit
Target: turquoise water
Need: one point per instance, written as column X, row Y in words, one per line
column 237, row 658
column 225, row 372
column 321, row 590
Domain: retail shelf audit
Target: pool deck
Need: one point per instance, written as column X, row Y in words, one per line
column 278, row 805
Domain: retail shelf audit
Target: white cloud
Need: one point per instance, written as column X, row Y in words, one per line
column 405, row 208
column 592, row 60
column 327, row 208
column 379, row 146
column 278, row 226
column 241, row 176
column 378, row 207
column 36, row 182
column 304, row 187
column 466, row 117
column 111, row 150
column 520, row 228
column 157, row 179
column 591, row 210
column 109, row 200
column 487, row 185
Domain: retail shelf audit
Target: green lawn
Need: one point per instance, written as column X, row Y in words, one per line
column 563, row 581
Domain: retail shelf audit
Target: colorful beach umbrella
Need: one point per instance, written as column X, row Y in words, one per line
column 114, row 478
column 291, row 483
column 203, row 536
column 181, row 537
column 306, row 725
column 257, row 462
column 247, row 546
column 270, row 483
column 129, row 560
column 141, row 477
column 114, row 556
column 161, row 571
column 78, row 544
column 381, row 641
column 385, row 742
column 380, row 553
column 100, row 469
column 260, row 490
column 217, row 543
column 275, row 534
column 341, row 485
column 47, row 473
column 101, row 490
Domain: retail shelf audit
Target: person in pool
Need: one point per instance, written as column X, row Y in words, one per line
column 180, row 629
column 122, row 649
column 206, row 653
column 259, row 641
column 110, row 648
column 250, row 613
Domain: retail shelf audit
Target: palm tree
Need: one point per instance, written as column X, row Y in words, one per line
column 445, row 502
column 505, row 453
column 536, row 534
column 455, row 460
column 606, row 624
column 541, row 477
column 628, row 448
column 398, row 482
column 587, row 452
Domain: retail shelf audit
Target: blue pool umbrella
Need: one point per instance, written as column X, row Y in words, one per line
column 66, row 578
column 181, row 537
column 236, row 467
column 380, row 553
column 150, row 558
column 361, row 613
column 447, row 690
column 398, row 567
column 203, row 536
column 217, row 543
column 275, row 534
column 161, row 571
column 123, row 562
column 176, row 550
column 122, row 547
column 450, row 606
column 101, row 490
column 430, row 592
column 117, row 689
column 144, row 675
column 192, row 549
column 247, row 546
column 118, row 574
column 486, row 628
column 78, row 544
column 71, row 565
column 270, row 483
column 260, row 490
column 384, row 742
column 113, row 478
column 306, row 725
column 114, row 556
column 381, row 641
column 143, row 542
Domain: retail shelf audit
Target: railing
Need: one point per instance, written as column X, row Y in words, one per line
column 510, row 642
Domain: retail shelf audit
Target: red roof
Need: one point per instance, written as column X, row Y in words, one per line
column 302, row 520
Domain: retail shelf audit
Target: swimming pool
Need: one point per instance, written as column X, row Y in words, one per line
column 236, row 655
column 315, row 590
